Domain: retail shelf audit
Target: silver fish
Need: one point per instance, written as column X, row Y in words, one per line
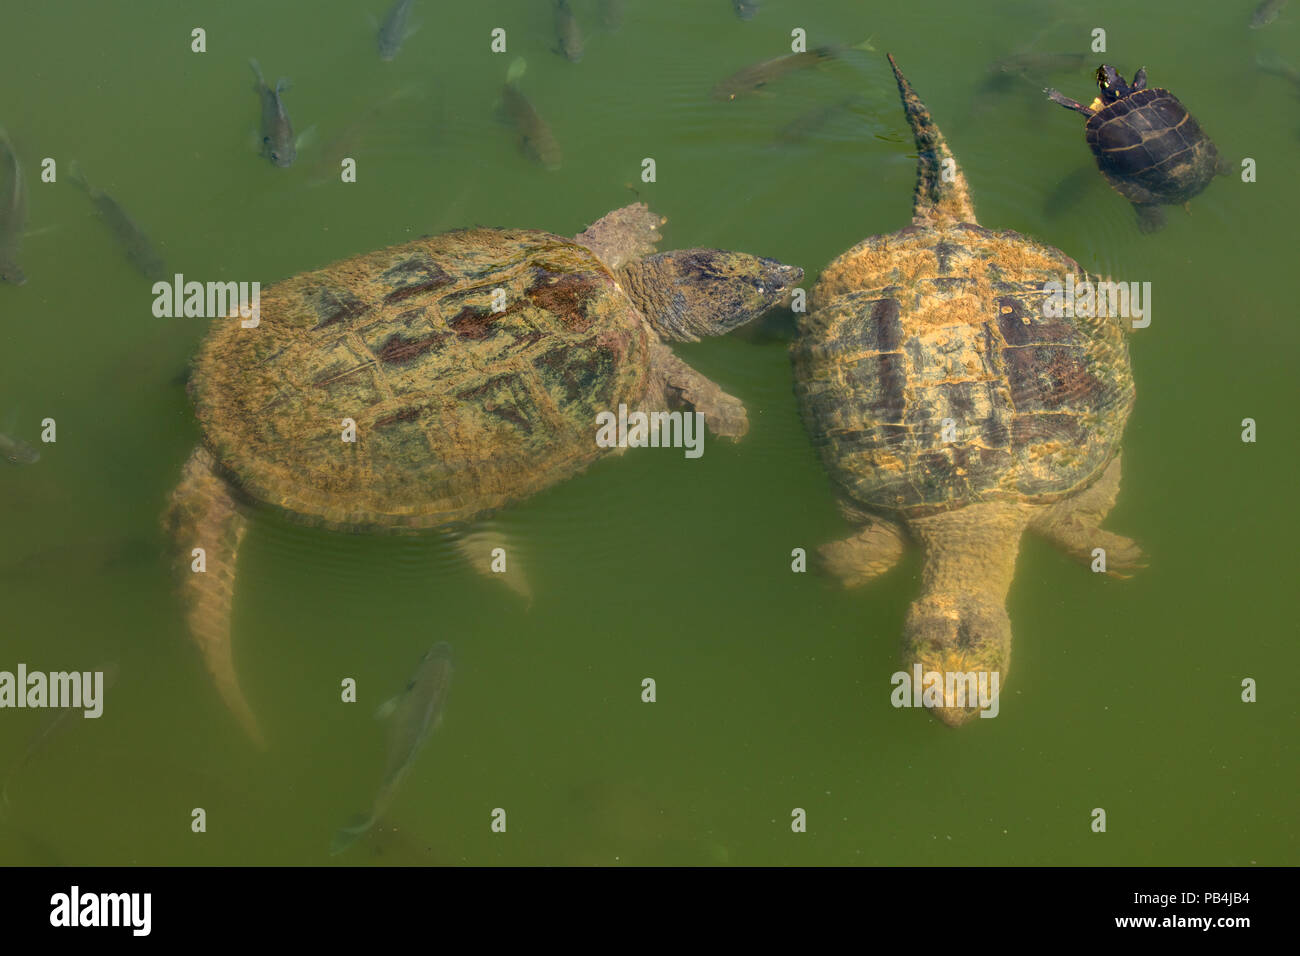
column 567, row 32
column 755, row 77
column 1271, row 62
column 414, row 714
column 139, row 248
column 805, row 125
column 393, row 31
column 357, row 138
column 16, row 451
column 277, row 131
column 48, row 731
column 745, row 9
column 535, row 136
column 1266, row 13
column 1038, row 64
column 13, row 212
column 611, row 15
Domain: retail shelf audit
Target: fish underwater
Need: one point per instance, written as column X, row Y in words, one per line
column 745, row 9
column 49, row 731
column 414, row 713
column 278, row 143
column 806, row 125
column 93, row 556
column 1266, row 13
column 1025, row 64
column 567, row 32
column 1033, row 67
column 16, row 451
column 611, row 15
column 1273, row 63
column 139, row 248
column 393, row 32
column 13, row 211
column 535, row 137
column 370, row 131
column 753, row 78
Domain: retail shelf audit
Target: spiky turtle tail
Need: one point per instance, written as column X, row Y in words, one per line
column 203, row 514
column 941, row 191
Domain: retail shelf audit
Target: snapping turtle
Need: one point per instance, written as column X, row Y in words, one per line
column 1149, row 148
column 471, row 366
column 951, row 410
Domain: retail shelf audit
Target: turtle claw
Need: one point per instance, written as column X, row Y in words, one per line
column 1124, row 557
column 724, row 414
column 864, row 557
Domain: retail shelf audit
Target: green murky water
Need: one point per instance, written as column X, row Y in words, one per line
column 773, row 688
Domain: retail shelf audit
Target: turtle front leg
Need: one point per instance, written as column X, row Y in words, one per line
column 1074, row 526
column 203, row 514
column 868, row 554
column 1063, row 100
column 674, row 383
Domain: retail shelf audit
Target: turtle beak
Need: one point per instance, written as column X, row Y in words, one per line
column 786, row 278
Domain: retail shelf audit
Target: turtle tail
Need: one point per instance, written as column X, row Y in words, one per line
column 941, row 191
column 203, row 514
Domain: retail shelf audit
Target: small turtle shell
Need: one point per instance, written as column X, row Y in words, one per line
column 1150, row 149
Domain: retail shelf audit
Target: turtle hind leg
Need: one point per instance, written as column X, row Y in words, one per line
column 1151, row 218
column 1074, row 525
column 203, row 514
column 867, row 555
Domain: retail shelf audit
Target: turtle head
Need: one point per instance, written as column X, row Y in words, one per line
column 1112, row 85
column 966, row 640
column 693, row 293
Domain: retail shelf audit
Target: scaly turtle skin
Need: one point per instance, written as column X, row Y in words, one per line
column 950, row 409
column 1149, row 148
column 458, row 410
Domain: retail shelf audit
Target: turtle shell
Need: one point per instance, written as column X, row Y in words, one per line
column 1150, row 149
column 458, row 409
column 928, row 328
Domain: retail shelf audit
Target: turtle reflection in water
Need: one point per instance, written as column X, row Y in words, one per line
column 460, row 408
column 950, row 411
